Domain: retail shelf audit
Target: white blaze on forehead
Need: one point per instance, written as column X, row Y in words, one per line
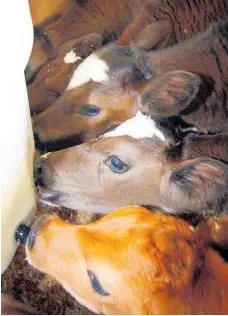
column 92, row 68
column 71, row 58
column 140, row 126
column 44, row 155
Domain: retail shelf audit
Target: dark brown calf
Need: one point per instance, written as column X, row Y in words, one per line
column 164, row 31
column 200, row 96
column 104, row 18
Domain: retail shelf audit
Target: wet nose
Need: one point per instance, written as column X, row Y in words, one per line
column 29, row 75
column 22, row 233
column 38, row 171
column 25, row 236
column 35, row 229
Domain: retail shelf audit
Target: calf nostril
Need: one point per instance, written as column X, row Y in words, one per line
column 22, row 233
column 38, row 172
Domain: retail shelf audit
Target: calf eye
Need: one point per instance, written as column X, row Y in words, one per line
column 90, row 110
column 96, row 284
column 116, row 165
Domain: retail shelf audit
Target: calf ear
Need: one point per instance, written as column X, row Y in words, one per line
column 200, row 175
column 170, row 93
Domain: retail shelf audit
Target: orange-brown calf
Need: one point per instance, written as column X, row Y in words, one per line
column 134, row 262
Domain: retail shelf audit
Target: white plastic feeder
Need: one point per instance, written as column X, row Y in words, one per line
column 18, row 192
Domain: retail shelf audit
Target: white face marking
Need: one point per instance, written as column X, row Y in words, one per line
column 92, row 68
column 189, row 129
column 71, row 58
column 140, row 126
column 44, row 155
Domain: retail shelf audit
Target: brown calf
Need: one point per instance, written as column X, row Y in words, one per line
column 136, row 163
column 124, row 78
column 134, row 262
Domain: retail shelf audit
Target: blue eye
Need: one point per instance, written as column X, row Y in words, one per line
column 96, row 284
column 90, row 110
column 116, row 165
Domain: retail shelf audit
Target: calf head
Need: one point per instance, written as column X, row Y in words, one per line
column 80, row 115
column 101, row 93
column 131, row 261
column 42, row 51
column 133, row 164
column 50, row 82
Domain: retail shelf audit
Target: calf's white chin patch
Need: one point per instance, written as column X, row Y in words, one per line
column 140, row 126
column 92, row 68
column 71, row 58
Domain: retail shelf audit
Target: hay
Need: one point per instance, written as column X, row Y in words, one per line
column 37, row 289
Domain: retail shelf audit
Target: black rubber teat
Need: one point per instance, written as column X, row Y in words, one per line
column 22, row 233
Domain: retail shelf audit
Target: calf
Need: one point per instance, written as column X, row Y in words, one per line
column 50, row 82
column 124, row 78
column 136, row 163
column 104, row 19
column 171, row 22
column 134, row 262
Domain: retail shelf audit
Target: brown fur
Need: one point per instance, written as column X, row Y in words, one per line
column 205, row 55
column 43, row 11
column 215, row 146
column 167, row 22
column 11, row 306
column 49, row 84
column 147, row 263
column 54, row 76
